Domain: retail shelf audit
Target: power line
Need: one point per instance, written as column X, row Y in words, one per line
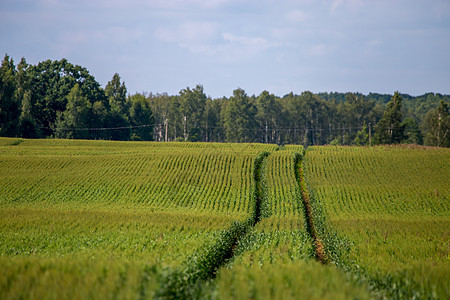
column 281, row 129
column 95, row 128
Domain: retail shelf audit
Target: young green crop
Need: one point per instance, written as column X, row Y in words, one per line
column 294, row 280
column 102, row 219
column 276, row 259
column 174, row 176
column 99, row 219
column 392, row 204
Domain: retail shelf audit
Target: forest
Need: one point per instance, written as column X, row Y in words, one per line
column 56, row 99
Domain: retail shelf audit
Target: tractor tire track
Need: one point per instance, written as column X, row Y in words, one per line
column 186, row 283
column 319, row 248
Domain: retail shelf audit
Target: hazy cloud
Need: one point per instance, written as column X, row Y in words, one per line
column 296, row 16
column 188, row 32
column 351, row 4
column 256, row 42
column 318, row 50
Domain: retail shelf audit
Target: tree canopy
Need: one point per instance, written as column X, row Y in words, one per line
column 59, row 99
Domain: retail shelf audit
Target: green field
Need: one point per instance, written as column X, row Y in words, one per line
column 392, row 206
column 276, row 260
column 119, row 212
column 127, row 220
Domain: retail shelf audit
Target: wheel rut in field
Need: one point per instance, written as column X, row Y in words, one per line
column 185, row 283
column 308, row 212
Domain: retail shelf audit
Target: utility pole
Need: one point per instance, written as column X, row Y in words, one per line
column 167, row 129
column 370, row 136
column 185, row 129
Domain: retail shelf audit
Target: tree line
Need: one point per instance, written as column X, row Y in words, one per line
column 56, row 99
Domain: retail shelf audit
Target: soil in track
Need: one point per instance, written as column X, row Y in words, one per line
column 310, row 227
column 318, row 245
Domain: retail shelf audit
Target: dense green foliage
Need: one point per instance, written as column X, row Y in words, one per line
column 390, row 206
column 58, row 99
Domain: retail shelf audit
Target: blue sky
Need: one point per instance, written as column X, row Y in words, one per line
column 280, row 46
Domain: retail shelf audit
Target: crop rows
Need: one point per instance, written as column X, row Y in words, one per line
column 103, row 219
column 281, row 234
column 391, row 205
column 276, row 259
column 282, row 202
column 152, row 177
column 53, row 253
column 359, row 182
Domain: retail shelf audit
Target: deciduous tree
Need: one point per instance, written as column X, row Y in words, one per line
column 438, row 123
column 9, row 106
column 389, row 129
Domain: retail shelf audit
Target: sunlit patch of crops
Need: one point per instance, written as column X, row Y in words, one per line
column 273, row 247
column 95, row 254
column 392, row 203
column 380, row 181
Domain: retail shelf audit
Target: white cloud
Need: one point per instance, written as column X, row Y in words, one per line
column 188, row 32
column 232, row 48
column 240, row 48
column 203, row 38
column 335, row 4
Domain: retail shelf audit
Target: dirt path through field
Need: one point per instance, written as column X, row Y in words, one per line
column 318, row 245
column 310, row 227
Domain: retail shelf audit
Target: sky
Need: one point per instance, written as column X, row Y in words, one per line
column 282, row 46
